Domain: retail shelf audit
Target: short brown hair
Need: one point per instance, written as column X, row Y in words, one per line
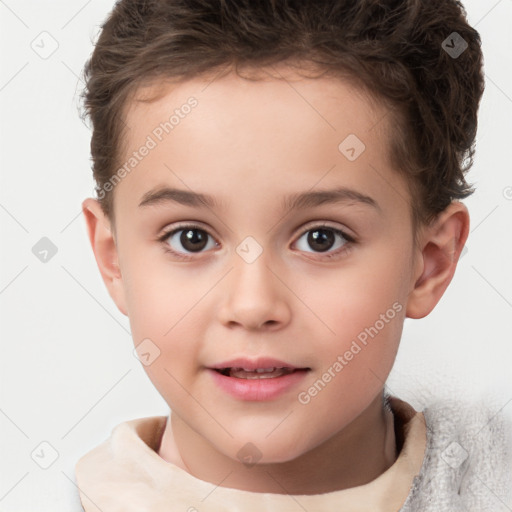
column 396, row 51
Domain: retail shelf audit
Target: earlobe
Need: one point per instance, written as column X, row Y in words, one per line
column 105, row 250
column 442, row 245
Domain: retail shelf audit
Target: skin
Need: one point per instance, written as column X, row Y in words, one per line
column 249, row 144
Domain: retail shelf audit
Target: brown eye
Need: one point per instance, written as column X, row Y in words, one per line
column 323, row 238
column 193, row 239
column 186, row 239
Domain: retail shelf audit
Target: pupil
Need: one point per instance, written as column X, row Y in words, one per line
column 321, row 239
column 193, row 239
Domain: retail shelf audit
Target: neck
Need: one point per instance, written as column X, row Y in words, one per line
column 354, row 456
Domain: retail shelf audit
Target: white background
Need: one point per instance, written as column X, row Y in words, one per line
column 68, row 373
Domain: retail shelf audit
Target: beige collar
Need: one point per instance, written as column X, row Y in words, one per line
column 125, row 473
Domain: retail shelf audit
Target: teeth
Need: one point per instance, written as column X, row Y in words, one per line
column 258, row 370
column 259, row 373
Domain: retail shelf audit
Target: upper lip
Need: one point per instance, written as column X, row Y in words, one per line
column 254, row 364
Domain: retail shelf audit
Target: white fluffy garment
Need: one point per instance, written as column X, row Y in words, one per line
column 467, row 465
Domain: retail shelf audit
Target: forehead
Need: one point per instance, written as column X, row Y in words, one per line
column 321, row 98
column 282, row 126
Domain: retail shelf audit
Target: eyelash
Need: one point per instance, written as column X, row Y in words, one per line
column 347, row 246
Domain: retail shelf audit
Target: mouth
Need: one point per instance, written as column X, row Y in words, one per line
column 264, row 379
column 258, row 373
column 260, row 368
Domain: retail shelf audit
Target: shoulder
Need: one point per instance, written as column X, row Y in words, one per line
column 467, row 463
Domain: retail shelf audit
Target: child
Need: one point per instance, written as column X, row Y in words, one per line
column 318, row 150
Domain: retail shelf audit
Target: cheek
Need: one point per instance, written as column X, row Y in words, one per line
column 160, row 295
column 164, row 321
column 356, row 299
column 354, row 361
column 362, row 309
column 166, row 310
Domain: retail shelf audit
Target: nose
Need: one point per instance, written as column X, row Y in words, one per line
column 254, row 296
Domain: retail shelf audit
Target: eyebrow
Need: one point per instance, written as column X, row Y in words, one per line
column 297, row 201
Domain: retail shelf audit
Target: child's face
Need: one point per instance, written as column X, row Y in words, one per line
column 250, row 145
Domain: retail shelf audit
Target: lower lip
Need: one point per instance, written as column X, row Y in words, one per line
column 257, row 389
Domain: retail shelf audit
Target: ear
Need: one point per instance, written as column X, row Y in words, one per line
column 441, row 246
column 105, row 250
